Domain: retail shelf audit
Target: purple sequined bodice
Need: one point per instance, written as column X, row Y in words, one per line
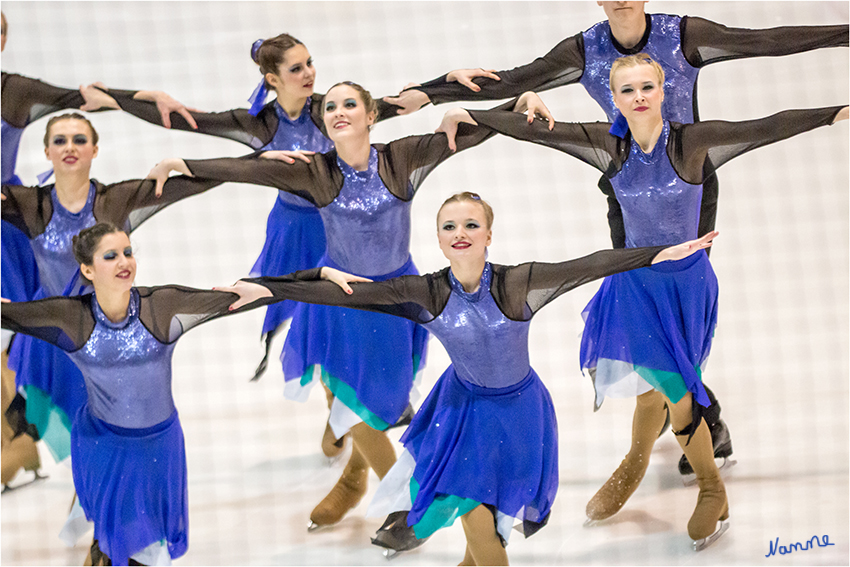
column 486, row 348
column 298, row 134
column 126, row 370
column 367, row 227
column 11, row 139
column 659, row 208
column 53, row 250
column 664, row 45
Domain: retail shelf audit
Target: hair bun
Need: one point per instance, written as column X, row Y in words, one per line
column 255, row 50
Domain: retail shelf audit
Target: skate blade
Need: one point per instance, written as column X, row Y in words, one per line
column 588, row 523
column 701, row 544
column 312, row 526
column 38, row 477
column 390, row 553
column 691, row 479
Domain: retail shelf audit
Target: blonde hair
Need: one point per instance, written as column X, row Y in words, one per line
column 633, row 61
column 469, row 196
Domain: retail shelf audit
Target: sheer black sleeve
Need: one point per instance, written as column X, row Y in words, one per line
column 705, row 42
column 418, row 298
column 130, row 203
column 563, row 65
column 405, row 163
column 27, row 208
column 719, row 141
column 65, row 322
column 25, row 100
column 168, row 311
column 521, row 291
column 318, row 182
column 237, row 125
column 589, row 142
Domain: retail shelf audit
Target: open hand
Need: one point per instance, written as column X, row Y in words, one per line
column 289, row 156
column 465, row 76
column 342, row 279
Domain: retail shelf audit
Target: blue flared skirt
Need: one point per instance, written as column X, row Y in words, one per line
column 368, row 360
column 652, row 328
column 295, row 240
column 473, row 445
column 132, row 484
column 19, row 275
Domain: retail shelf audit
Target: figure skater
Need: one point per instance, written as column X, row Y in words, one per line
column 648, row 333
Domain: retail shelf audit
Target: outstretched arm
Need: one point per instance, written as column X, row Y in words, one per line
column 306, row 180
column 589, row 142
column 563, row 65
column 705, row 42
column 528, row 287
column 65, row 322
column 25, row 100
column 411, row 297
column 159, row 108
column 721, row 141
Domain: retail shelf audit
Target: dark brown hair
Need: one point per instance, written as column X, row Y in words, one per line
column 269, row 55
column 469, row 196
column 69, row 116
column 86, row 242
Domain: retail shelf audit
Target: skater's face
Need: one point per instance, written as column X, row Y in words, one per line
column 3, row 29
column 345, row 114
column 463, row 231
column 113, row 267
column 622, row 12
column 295, row 75
column 70, row 146
column 638, row 93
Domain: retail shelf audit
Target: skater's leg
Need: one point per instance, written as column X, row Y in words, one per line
column 712, row 506
column 649, row 418
column 482, row 541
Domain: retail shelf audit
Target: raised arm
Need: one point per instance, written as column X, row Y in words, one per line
column 705, row 42
column 722, row 141
column 25, row 100
column 563, row 65
column 65, row 322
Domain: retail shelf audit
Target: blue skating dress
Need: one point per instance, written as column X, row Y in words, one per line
column 487, row 432
column 53, row 384
column 366, row 215
column 653, row 327
column 128, row 453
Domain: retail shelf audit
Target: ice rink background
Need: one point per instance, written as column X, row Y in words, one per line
column 780, row 357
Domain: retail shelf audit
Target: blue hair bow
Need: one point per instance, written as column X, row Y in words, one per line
column 258, row 97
